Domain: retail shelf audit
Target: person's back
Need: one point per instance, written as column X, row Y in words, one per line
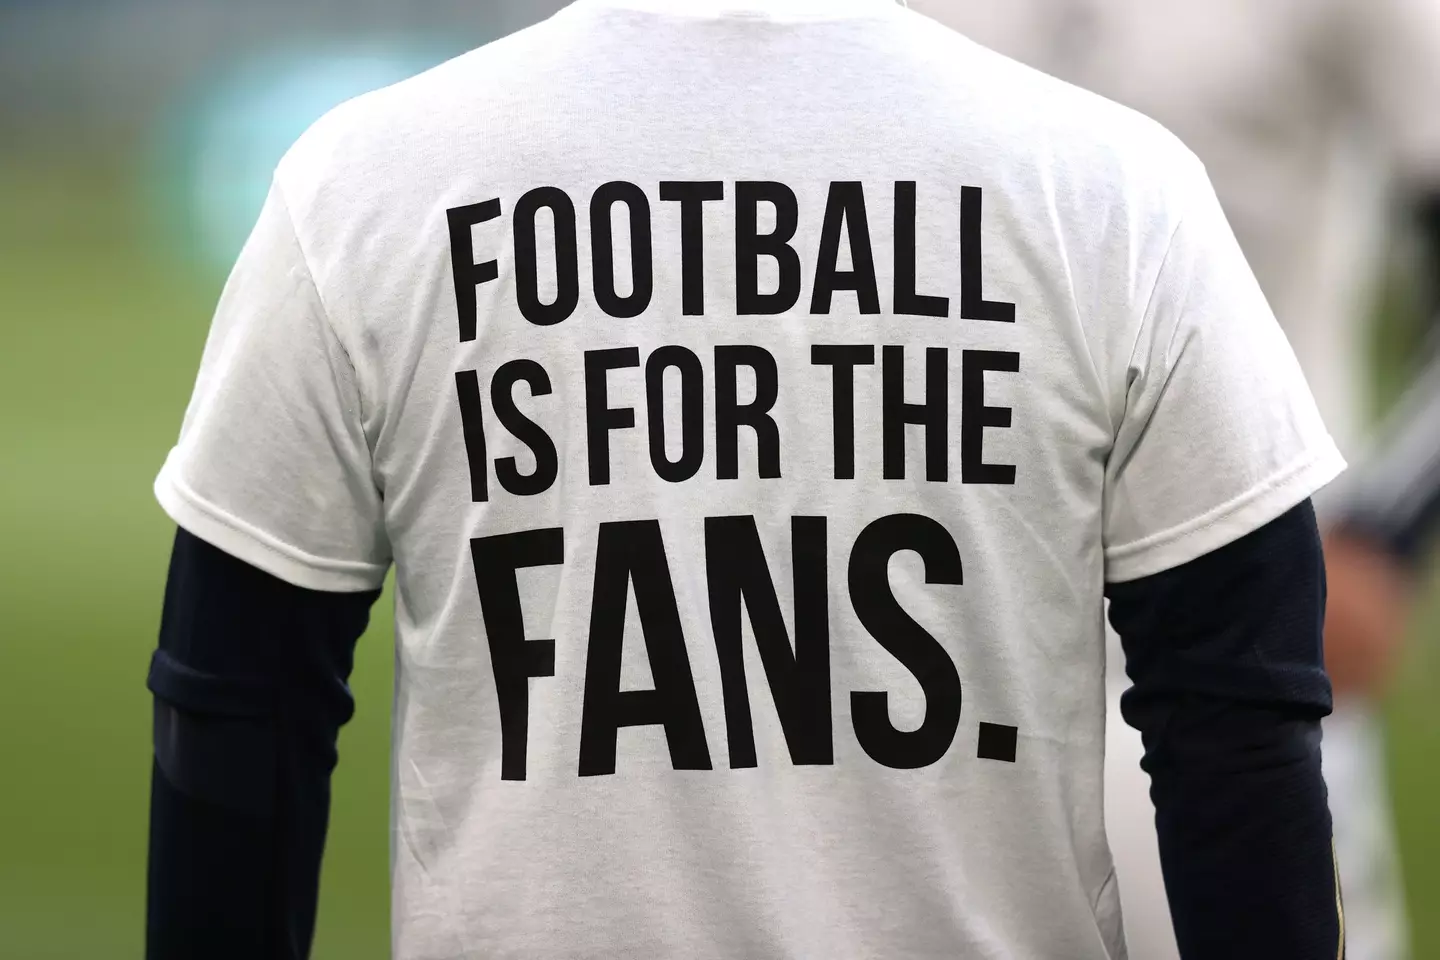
column 754, row 406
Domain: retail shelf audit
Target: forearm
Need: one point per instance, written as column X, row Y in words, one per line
column 1245, row 833
column 237, row 833
column 212, row 880
column 1229, row 690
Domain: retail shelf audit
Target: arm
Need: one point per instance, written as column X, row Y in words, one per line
column 250, row 694
column 1387, row 57
column 1383, row 62
column 1385, row 521
column 1393, row 499
column 1229, row 689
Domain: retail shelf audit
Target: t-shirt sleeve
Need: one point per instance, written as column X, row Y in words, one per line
column 1220, row 434
column 273, row 464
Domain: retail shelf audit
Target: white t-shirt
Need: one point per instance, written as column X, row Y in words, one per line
column 752, row 403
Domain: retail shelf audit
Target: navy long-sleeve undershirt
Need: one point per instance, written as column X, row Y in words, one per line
column 250, row 684
column 1226, row 657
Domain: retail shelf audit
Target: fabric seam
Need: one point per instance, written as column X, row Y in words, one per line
column 1148, row 313
column 260, row 538
column 1225, row 510
column 325, row 312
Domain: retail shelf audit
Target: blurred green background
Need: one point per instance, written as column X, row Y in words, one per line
column 136, row 142
column 101, row 337
column 108, row 257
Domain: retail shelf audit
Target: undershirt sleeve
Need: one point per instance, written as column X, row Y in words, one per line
column 1226, row 659
column 250, row 687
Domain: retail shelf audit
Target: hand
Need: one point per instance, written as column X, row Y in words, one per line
column 1367, row 612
